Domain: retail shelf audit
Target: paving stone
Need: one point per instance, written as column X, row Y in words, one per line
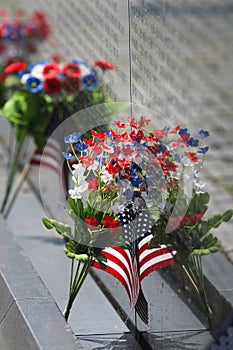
column 45, row 251
column 29, row 317
column 192, row 340
column 110, row 341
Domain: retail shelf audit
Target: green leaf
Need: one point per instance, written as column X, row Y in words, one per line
column 77, row 206
column 214, row 221
column 102, row 260
column 199, row 203
column 75, row 251
column 40, row 140
column 62, row 229
column 209, row 244
column 47, row 223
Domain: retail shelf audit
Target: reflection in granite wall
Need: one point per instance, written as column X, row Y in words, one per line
column 97, row 30
column 181, row 65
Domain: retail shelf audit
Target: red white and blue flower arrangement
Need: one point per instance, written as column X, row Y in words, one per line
column 129, row 200
column 20, row 34
column 20, row 37
column 45, row 94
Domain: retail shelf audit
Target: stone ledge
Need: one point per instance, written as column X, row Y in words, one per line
column 29, row 316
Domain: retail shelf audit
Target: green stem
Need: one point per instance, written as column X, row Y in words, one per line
column 76, row 284
column 193, row 270
column 13, row 170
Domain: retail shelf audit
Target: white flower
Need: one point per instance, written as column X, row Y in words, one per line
column 25, row 77
column 105, row 176
column 85, row 70
column 37, row 71
column 78, row 190
column 93, row 166
column 79, row 170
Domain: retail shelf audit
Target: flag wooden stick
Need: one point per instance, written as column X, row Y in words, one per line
column 22, row 178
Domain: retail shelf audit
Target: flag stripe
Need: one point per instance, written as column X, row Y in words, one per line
column 50, row 157
column 153, row 265
column 110, row 268
column 141, row 307
column 128, row 274
column 112, row 258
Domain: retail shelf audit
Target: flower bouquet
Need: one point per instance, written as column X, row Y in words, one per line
column 137, row 201
column 47, row 93
column 20, row 36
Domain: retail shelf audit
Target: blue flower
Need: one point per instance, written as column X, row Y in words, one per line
column 72, row 138
column 203, row 150
column 21, row 73
column 136, row 179
column 192, row 142
column 162, row 148
column 82, row 146
column 21, row 31
column 7, row 31
column 68, row 155
column 89, row 82
column 183, row 132
column 34, row 84
column 108, row 133
column 204, row 133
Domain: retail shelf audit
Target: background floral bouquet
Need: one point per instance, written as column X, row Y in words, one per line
column 20, row 34
column 20, row 37
column 48, row 92
column 133, row 187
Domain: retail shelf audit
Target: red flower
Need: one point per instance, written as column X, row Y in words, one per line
column 113, row 167
column 104, row 65
column 143, row 122
column 101, row 136
column 91, row 221
column 92, row 184
column 175, row 130
column 120, row 124
column 192, row 156
column 87, row 160
column 139, row 136
column 51, row 70
column 127, row 151
column 110, row 222
column 72, row 70
column 191, row 220
column 150, row 138
column 52, row 86
column 71, row 85
column 132, row 122
column 89, row 142
column 56, row 58
column 14, row 67
column 185, row 137
column 96, row 148
column 115, row 134
column 160, row 133
column 124, row 163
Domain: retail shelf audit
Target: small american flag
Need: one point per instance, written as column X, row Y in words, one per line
column 131, row 266
column 51, row 157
